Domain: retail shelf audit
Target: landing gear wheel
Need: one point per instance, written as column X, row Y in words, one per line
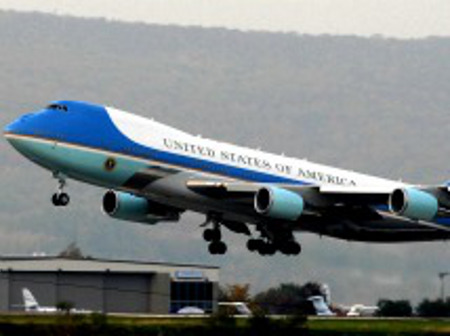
column 270, row 249
column 212, row 235
column 208, row 235
column 262, row 250
column 55, row 200
column 266, row 249
column 61, row 199
column 221, row 247
column 291, row 248
column 64, row 199
column 217, row 248
column 216, row 235
column 252, row 245
column 212, row 248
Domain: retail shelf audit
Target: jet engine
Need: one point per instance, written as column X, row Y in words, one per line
column 414, row 204
column 128, row 207
column 278, row 203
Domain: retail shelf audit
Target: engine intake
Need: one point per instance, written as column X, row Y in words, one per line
column 414, row 204
column 278, row 203
column 128, row 207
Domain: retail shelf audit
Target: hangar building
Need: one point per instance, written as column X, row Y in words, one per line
column 108, row 286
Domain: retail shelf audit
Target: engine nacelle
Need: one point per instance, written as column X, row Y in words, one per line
column 414, row 204
column 279, row 203
column 128, row 207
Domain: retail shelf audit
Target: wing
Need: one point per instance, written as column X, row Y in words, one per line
column 355, row 203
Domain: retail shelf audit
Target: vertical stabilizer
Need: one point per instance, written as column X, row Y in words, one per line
column 320, row 306
column 29, row 300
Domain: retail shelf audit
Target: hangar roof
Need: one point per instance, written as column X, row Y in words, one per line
column 54, row 264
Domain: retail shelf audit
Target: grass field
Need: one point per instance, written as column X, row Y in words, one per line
column 147, row 325
column 381, row 326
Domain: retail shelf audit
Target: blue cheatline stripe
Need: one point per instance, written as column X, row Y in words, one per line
column 443, row 221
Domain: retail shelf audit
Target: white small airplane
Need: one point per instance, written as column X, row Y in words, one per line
column 32, row 305
column 239, row 308
column 362, row 310
column 155, row 172
column 321, row 306
column 191, row 311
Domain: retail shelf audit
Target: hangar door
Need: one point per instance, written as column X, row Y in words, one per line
column 127, row 293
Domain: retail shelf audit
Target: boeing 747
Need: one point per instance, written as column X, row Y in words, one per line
column 154, row 173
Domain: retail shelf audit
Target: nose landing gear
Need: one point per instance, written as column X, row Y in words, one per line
column 60, row 198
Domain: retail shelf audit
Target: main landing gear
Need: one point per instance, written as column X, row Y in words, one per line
column 214, row 236
column 60, row 198
column 268, row 248
column 272, row 241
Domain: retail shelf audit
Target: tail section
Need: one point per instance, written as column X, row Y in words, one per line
column 29, row 301
column 320, row 306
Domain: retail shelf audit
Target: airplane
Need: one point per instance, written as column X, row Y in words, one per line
column 362, row 310
column 191, row 311
column 154, row 173
column 237, row 308
column 320, row 306
column 32, row 305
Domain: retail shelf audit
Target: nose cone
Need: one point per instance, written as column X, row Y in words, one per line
column 17, row 126
column 10, row 131
column 10, row 128
column 16, row 133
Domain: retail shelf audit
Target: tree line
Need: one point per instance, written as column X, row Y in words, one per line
column 292, row 299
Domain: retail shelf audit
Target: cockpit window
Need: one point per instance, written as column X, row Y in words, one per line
column 57, row 107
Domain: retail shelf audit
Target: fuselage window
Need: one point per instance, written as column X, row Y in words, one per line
column 58, row 107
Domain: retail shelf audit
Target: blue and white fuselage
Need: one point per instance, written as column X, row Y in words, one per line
column 155, row 172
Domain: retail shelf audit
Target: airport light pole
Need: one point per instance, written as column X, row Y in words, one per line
column 442, row 275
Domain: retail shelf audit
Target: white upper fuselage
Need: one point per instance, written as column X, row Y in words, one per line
column 155, row 135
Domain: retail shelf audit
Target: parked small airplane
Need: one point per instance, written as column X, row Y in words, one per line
column 156, row 172
column 362, row 310
column 236, row 308
column 32, row 305
column 191, row 311
column 320, row 306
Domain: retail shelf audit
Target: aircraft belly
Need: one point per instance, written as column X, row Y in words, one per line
column 384, row 230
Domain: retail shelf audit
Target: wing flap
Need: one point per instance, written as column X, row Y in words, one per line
column 223, row 189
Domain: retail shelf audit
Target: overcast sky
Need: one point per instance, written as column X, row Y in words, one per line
column 392, row 18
